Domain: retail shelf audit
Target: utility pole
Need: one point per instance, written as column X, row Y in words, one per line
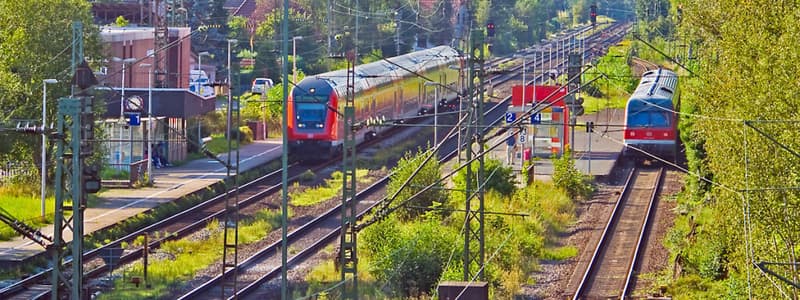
column 348, row 243
column 285, row 138
column 230, row 234
column 74, row 117
column 474, row 245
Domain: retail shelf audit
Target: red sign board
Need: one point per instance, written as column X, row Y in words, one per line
column 538, row 93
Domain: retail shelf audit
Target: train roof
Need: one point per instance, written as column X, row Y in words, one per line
column 659, row 83
column 381, row 72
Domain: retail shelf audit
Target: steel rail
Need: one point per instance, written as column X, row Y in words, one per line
column 613, row 221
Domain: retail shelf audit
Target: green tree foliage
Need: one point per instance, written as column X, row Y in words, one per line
column 748, row 57
column 35, row 44
column 121, row 21
column 499, row 178
column 213, row 18
column 429, row 174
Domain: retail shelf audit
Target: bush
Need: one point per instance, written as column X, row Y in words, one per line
column 243, row 132
column 567, row 177
column 245, row 135
column 499, row 177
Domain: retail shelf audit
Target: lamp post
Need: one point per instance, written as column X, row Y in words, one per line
column 150, row 121
column 199, row 120
column 44, row 140
column 435, row 108
column 230, row 100
column 122, row 101
column 294, row 58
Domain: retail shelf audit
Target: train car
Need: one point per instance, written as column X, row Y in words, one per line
column 650, row 116
column 382, row 90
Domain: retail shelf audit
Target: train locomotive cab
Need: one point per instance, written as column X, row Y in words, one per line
column 650, row 119
column 312, row 123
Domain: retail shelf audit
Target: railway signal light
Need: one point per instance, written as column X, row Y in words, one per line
column 91, row 179
column 575, row 105
column 490, row 29
column 593, row 14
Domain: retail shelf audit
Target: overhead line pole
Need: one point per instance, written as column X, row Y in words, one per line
column 284, row 152
column 474, row 235
column 348, row 243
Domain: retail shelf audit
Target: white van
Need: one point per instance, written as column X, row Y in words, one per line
column 261, row 85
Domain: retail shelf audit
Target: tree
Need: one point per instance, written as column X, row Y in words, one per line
column 429, row 174
column 498, row 177
column 35, row 42
column 749, row 213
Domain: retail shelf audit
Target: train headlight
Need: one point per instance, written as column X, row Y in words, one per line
column 301, row 125
column 319, row 125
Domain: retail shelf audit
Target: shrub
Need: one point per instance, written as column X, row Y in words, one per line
column 245, row 135
column 569, row 178
column 499, row 177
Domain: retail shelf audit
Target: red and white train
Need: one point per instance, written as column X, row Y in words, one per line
column 382, row 90
column 651, row 116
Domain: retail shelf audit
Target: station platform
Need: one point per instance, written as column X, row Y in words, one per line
column 595, row 153
column 171, row 183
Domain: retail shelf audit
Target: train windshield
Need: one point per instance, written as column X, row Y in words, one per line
column 649, row 118
column 311, row 115
column 651, row 113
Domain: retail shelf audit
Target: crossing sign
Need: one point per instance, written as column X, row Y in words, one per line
column 511, row 117
column 536, row 118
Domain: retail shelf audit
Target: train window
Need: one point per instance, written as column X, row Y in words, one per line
column 663, row 88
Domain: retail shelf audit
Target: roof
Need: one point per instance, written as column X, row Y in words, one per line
column 382, row 72
column 660, row 83
column 167, row 102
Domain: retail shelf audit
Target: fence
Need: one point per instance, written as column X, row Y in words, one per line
column 10, row 171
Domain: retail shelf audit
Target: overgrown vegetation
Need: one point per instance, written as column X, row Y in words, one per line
column 406, row 257
column 569, row 178
column 429, row 173
column 331, row 188
column 178, row 261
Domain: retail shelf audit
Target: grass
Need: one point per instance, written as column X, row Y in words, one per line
column 560, row 253
column 219, row 144
column 23, row 202
column 112, row 173
column 331, row 188
column 182, row 259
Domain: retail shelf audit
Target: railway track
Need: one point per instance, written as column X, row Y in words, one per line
column 265, row 264
column 611, row 268
column 187, row 222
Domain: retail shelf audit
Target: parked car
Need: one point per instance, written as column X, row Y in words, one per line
column 261, row 85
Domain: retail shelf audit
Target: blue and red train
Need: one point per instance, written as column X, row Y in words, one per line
column 384, row 90
column 651, row 117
